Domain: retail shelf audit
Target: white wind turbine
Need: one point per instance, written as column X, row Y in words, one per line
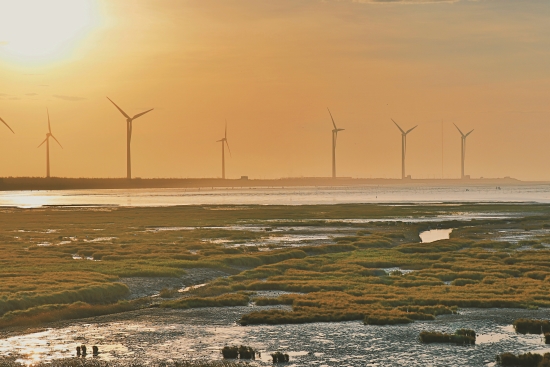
column 403, row 146
column 224, row 143
column 462, row 150
column 129, row 121
column 47, row 141
column 334, row 138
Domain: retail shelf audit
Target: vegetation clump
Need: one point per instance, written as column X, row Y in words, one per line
column 460, row 337
column 524, row 360
column 168, row 293
column 230, row 352
column 280, row 357
column 531, row 326
column 246, row 352
column 241, row 352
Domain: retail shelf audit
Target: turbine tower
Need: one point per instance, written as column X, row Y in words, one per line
column 5, row 123
column 463, row 150
column 334, row 137
column 403, row 146
column 129, row 121
column 224, row 140
column 47, row 141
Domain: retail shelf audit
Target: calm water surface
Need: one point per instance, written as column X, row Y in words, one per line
column 279, row 196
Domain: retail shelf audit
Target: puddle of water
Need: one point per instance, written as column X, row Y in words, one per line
column 163, row 229
column 435, row 235
column 402, row 271
column 101, row 239
column 187, row 289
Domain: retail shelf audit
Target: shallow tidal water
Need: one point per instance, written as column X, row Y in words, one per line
column 277, row 196
column 201, row 333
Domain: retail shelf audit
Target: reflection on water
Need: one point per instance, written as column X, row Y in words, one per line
column 202, row 333
column 433, row 235
column 288, row 196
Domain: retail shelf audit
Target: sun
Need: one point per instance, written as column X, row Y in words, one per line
column 39, row 31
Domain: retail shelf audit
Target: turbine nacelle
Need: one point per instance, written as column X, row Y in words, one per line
column 464, row 136
column 403, row 132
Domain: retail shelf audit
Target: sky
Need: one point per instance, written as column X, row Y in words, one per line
column 271, row 68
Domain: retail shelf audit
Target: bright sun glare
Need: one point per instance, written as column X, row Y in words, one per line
column 38, row 31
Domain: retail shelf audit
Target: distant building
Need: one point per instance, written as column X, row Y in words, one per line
column 244, row 177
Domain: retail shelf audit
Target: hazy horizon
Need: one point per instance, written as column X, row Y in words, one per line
column 271, row 68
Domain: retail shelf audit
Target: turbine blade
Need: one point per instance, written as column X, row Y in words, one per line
column 56, row 141
column 334, row 123
column 225, row 128
column 8, row 126
column 460, row 131
column 399, row 127
column 217, row 141
column 120, row 109
column 465, row 136
column 228, row 148
column 141, row 114
column 42, row 142
column 408, row 131
column 49, row 126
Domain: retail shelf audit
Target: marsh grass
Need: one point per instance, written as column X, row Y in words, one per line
column 54, row 312
column 164, row 242
column 524, row 360
column 531, row 326
column 168, row 293
column 460, row 337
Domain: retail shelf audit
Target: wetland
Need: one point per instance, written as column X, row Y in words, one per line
column 349, row 284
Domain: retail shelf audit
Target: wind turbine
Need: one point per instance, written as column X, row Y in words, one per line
column 47, row 141
column 5, row 123
column 403, row 146
column 224, row 140
column 334, row 137
column 129, row 121
column 463, row 150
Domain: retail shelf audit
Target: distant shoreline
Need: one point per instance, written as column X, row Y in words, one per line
column 62, row 183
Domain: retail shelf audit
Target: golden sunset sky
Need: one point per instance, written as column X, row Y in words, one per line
column 272, row 67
